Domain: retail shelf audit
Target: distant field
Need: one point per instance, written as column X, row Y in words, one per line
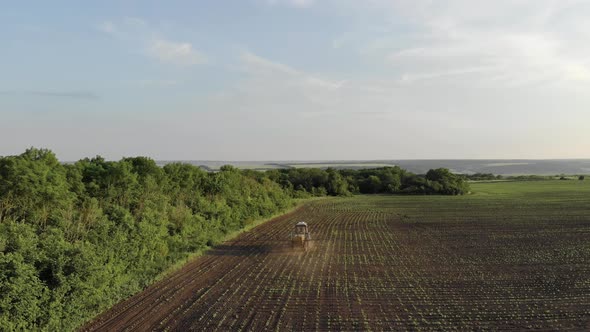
column 495, row 166
column 340, row 165
column 511, row 256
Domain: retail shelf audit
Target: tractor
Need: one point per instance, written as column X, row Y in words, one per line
column 300, row 236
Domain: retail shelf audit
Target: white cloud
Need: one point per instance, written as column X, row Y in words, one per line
column 258, row 66
column 255, row 64
column 180, row 53
column 107, row 27
column 128, row 28
column 271, row 86
column 136, row 32
column 434, row 79
column 292, row 3
column 517, row 42
column 270, row 73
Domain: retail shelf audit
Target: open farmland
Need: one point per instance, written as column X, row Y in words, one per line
column 511, row 256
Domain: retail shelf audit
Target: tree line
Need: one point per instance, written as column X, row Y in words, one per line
column 77, row 238
column 533, row 177
column 302, row 182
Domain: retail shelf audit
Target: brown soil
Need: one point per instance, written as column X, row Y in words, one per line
column 369, row 270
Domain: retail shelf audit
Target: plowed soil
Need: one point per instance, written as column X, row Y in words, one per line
column 385, row 263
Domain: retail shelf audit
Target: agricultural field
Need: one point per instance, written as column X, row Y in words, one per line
column 510, row 256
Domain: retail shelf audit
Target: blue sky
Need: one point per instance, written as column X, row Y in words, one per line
column 296, row 79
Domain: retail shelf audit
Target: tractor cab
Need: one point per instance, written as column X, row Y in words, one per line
column 301, row 228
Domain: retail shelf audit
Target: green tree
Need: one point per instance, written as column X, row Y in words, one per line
column 337, row 185
column 23, row 294
column 371, row 185
column 34, row 185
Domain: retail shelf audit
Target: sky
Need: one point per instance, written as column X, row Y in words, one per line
column 296, row 79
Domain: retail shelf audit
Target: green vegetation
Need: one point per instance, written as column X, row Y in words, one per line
column 499, row 202
column 74, row 239
column 392, row 180
column 482, row 177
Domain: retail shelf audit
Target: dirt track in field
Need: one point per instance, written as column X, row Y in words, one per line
column 371, row 270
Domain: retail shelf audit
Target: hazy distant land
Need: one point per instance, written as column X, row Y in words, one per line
column 495, row 166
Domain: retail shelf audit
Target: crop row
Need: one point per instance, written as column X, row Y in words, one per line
column 377, row 269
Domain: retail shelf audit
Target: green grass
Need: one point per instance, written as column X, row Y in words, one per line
column 545, row 188
column 522, row 202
